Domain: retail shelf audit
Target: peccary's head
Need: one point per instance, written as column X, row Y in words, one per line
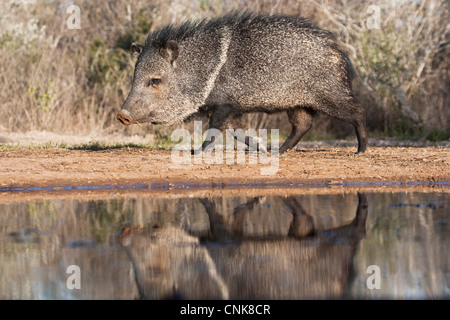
column 153, row 96
column 175, row 72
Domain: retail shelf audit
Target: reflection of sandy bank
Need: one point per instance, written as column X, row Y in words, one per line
column 214, row 191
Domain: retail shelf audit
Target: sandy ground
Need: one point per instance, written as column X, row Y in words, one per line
column 326, row 165
column 38, row 167
column 39, row 138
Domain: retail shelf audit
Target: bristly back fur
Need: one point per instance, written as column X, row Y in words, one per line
column 236, row 20
column 232, row 20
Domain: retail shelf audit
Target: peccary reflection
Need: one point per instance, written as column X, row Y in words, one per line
column 236, row 260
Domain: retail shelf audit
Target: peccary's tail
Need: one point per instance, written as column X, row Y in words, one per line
column 349, row 66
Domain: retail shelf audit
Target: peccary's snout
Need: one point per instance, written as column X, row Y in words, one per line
column 124, row 117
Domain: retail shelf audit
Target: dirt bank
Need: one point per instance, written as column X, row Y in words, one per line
column 37, row 167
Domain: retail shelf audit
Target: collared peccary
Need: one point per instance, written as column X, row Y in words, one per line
column 241, row 63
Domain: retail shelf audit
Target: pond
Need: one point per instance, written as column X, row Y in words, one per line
column 350, row 245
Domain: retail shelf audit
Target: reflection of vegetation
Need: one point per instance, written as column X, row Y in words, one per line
column 41, row 211
column 105, row 220
column 404, row 240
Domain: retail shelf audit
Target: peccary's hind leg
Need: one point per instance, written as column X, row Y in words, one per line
column 349, row 110
column 301, row 120
column 361, row 133
column 357, row 119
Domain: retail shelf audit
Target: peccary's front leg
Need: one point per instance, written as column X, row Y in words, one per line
column 220, row 120
column 301, row 120
column 303, row 224
column 241, row 136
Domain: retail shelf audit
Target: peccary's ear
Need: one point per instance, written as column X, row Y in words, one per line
column 136, row 49
column 170, row 51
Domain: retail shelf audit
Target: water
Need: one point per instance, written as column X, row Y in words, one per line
column 286, row 246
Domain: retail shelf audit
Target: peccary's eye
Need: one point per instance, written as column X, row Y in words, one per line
column 154, row 82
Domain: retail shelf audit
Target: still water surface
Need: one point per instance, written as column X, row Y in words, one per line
column 313, row 246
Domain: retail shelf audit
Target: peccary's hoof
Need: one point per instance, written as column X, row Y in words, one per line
column 359, row 152
column 263, row 150
column 196, row 152
column 283, row 151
